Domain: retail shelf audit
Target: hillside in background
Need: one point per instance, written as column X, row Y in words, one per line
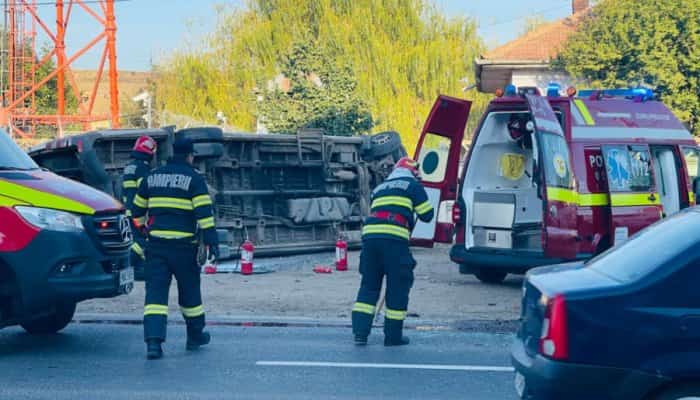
column 131, row 83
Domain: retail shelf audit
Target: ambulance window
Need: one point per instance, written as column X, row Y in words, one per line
column 556, row 161
column 433, row 157
column 691, row 161
column 628, row 168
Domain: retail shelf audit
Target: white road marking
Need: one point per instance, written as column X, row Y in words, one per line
column 474, row 368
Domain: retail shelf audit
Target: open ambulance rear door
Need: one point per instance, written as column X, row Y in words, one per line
column 555, row 180
column 438, row 153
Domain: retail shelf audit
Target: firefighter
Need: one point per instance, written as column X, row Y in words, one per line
column 142, row 155
column 176, row 199
column 385, row 240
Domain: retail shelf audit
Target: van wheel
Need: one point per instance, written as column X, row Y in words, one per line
column 383, row 144
column 51, row 323
column 680, row 391
column 492, row 277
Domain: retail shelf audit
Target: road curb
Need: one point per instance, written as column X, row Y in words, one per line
column 489, row 326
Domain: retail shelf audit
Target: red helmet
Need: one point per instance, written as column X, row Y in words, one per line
column 146, row 145
column 410, row 164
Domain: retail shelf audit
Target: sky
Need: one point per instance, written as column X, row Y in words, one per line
column 147, row 30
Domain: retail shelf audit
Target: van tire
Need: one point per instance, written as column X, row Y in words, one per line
column 51, row 323
column 490, row 277
column 208, row 150
column 203, row 134
column 383, row 144
column 679, row 391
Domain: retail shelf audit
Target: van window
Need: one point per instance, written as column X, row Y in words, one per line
column 433, row 156
column 12, row 157
column 691, row 161
column 628, row 168
column 556, row 161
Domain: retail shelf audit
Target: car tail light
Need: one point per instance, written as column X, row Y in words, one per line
column 456, row 214
column 554, row 341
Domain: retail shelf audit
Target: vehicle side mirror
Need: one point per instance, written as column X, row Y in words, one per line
column 536, row 179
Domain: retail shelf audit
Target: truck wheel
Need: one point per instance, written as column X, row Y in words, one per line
column 383, row 144
column 680, row 391
column 488, row 276
column 208, row 150
column 51, row 323
column 203, row 134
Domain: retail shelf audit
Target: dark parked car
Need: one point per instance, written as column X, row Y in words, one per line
column 625, row 325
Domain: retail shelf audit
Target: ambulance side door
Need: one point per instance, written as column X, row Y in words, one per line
column 438, row 154
column 556, row 182
column 634, row 201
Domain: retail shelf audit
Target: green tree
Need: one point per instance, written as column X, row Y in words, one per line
column 321, row 95
column 402, row 54
column 649, row 41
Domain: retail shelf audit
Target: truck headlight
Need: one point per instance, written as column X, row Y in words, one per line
column 54, row 220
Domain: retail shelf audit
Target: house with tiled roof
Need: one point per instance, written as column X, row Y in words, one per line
column 526, row 61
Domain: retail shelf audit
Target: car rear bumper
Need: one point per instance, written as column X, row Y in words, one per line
column 547, row 379
column 64, row 266
column 506, row 260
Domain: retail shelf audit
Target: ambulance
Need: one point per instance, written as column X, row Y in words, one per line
column 551, row 178
column 61, row 242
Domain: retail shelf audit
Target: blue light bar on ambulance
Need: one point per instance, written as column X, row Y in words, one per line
column 511, row 90
column 635, row 93
column 553, row 89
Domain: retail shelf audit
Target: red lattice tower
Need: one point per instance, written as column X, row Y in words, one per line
column 18, row 83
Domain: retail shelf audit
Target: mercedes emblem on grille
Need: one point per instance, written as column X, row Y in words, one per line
column 124, row 229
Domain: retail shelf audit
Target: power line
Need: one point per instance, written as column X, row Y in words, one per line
column 53, row 3
column 543, row 12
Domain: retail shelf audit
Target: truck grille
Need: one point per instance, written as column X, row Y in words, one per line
column 111, row 232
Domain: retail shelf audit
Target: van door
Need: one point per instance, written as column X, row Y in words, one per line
column 555, row 181
column 438, row 154
column 634, row 201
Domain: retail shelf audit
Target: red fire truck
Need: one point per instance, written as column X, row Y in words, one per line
column 551, row 178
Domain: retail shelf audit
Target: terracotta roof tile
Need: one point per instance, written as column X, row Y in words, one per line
column 541, row 44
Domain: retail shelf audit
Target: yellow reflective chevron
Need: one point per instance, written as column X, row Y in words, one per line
column 206, row 223
column 136, row 248
column 140, row 202
column 386, row 229
column 192, row 312
column 424, row 207
column 363, row 308
column 593, row 199
column 38, row 198
column 563, row 195
column 634, row 199
column 691, row 197
column 130, row 184
column 201, row 200
column 155, row 309
column 170, row 234
column 169, row 202
column 395, row 314
column 584, row 112
column 399, row 201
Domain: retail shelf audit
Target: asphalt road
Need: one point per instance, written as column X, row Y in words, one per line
column 106, row 361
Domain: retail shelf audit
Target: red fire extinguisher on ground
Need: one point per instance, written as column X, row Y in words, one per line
column 341, row 254
column 247, row 250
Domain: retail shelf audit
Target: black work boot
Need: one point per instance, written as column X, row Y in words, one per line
column 360, row 340
column 393, row 333
column 154, row 350
column 361, row 326
column 195, row 340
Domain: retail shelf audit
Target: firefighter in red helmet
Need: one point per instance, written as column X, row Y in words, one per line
column 385, row 239
column 142, row 155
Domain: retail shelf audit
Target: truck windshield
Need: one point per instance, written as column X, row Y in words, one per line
column 649, row 249
column 12, row 157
